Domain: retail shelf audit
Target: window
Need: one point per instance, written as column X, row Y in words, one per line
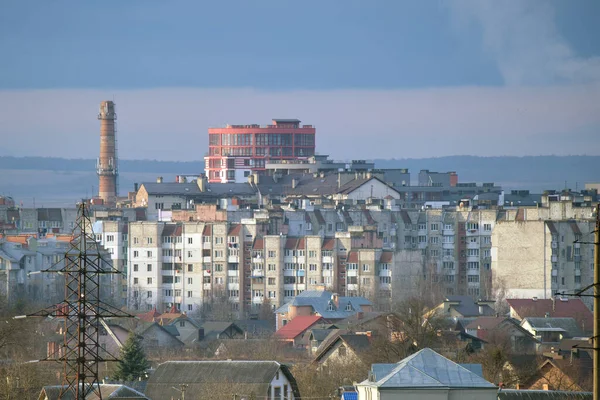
column 578, row 279
column 189, row 293
column 486, row 240
column 189, row 254
column 136, row 240
column 233, row 280
column 385, row 279
column 434, row 253
column 218, row 253
column 136, row 254
column 206, row 239
column 473, row 226
column 271, row 281
column 449, row 278
column 351, row 266
column 312, row 253
column 473, row 252
column 149, row 254
column 422, row 227
column 234, row 293
column 473, row 291
column 135, row 268
column 366, row 281
column 135, row 281
column 448, row 264
column 149, row 240
column 312, row 267
column 435, row 227
column 190, row 308
column 422, row 239
column 149, row 294
column 219, row 267
column 149, row 281
column 190, row 268
column 110, row 238
column 272, row 253
column 169, row 292
column 272, row 294
column 190, row 240
column 271, row 267
column 448, row 239
column 473, row 278
column 473, row 239
column 473, row 265
column 487, row 227
column 365, row 267
column 149, row 267
column 190, row 281
column 434, row 240
column 167, row 279
column 218, row 240
column 177, row 292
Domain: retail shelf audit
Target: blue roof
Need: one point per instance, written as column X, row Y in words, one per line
column 426, row 368
column 349, row 396
column 320, row 300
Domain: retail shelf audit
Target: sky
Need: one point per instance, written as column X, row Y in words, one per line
column 378, row 79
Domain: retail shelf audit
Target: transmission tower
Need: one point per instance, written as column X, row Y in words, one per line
column 82, row 310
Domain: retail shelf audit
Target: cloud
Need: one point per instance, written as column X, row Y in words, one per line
column 171, row 123
column 523, row 39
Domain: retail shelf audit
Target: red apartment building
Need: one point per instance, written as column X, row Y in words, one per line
column 236, row 151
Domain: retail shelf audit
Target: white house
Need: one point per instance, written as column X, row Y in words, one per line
column 425, row 375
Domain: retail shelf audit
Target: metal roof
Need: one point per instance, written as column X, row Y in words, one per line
column 550, row 324
column 428, row 369
column 108, row 391
column 468, row 308
column 514, row 394
column 243, row 377
column 320, row 301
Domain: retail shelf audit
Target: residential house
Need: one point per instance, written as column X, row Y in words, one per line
column 223, row 380
column 465, row 307
column 294, row 330
column 550, row 331
column 156, row 337
column 555, row 307
column 325, row 304
column 494, row 329
column 107, row 391
column 425, row 375
column 217, row 330
column 573, row 375
column 343, row 348
column 112, row 337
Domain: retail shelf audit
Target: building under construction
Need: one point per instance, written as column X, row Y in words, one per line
column 107, row 164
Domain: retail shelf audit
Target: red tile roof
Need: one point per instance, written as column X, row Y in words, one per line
column 149, row 316
column 386, row 257
column 235, row 230
column 259, row 244
column 574, row 308
column 297, row 326
column 352, row 257
column 290, row 243
column 328, row 244
column 302, row 243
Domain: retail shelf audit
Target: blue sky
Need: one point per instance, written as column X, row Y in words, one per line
column 404, row 72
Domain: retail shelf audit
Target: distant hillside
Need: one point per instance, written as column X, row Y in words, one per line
column 65, row 164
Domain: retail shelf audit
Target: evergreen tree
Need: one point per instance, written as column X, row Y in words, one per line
column 133, row 363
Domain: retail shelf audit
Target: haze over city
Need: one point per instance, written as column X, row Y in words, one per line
column 425, row 78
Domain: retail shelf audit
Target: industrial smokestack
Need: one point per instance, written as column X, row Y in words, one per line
column 107, row 164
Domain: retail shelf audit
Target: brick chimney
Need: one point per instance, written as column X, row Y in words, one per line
column 336, row 300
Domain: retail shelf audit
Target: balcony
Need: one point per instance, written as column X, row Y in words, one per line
column 577, row 245
column 448, row 232
column 385, row 272
column 257, row 273
column 206, row 259
column 554, row 272
column 258, row 260
column 385, row 286
column 423, row 245
column 233, row 259
column 206, row 286
column 327, row 260
column 554, row 258
column 554, row 245
column 234, row 272
column 472, row 232
column 206, row 245
column 449, row 246
column 577, row 258
column 352, row 272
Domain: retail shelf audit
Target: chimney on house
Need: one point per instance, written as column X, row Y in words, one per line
column 294, row 183
column 202, row 182
column 339, row 180
column 200, row 334
column 545, row 386
column 159, row 179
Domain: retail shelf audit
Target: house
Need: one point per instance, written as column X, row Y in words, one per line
column 112, row 337
column 465, row 307
column 187, row 329
column 425, row 375
column 322, row 303
column 156, row 337
column 551, row 330
column 344, row 348
column 558, row 308
column 216, row 330
column 317, row 335
column 222, row 380
column 294, row 330
column 494, row 329
column 563, row 374
column 107, row 391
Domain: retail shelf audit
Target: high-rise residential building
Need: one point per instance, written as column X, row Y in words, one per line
column 236, row 151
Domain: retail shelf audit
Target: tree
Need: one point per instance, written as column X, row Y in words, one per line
column 133, row 363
